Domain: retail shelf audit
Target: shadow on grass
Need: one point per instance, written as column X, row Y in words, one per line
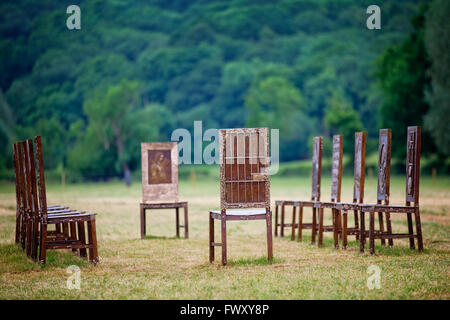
column 262, row 261
column 13, row 258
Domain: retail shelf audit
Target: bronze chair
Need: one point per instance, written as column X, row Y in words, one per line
column 336, row 181
column 38, row 216
column 160, row 183
column 26, row 197
column 244, row 184
column 412, row 200
column 315, row 196
column 358, row 190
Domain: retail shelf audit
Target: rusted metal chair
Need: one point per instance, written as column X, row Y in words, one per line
column 244, row 184
column 36, row 216
column 358, row 190
column 26, row 197
column 336, row 181
column 412, row 199
column 160, row 183
column 315, row 196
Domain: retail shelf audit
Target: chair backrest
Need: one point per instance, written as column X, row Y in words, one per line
column 316, row 168
column 244, row 168
column 413, row 164
column 359, row 167
column 159, row 163
column 31, row 173
column 41, row 179
column 24, row 177
column 384, row 165
column 336, row 169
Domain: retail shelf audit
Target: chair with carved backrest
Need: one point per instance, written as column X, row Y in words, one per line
column 244, row 183
column 358, row 190
column 315, row 196
column 336, row 181
column 412, row 199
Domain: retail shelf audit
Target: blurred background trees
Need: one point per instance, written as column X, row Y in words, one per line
column 139, row 69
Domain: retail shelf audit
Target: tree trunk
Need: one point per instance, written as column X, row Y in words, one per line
column 121, row 152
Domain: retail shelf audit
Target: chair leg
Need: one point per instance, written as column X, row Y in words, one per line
column 142, row 222
column 224, row 240
column 418, row 230
column 29, row 236
column 269, row 235
column 300, row 223
column 82, row 236
column 356, row 224
column 276, row 220
column 381, row 223
column 73, row 235
column 92, row 235
column 177, row 222
column 335, row 217
column 294, row 209
column 42, row 244
column 339, row 223
column 211, row 239
column 410, row 230
column 362, row 232
column 344, row 230
column 17, row 237
column 372, row 232
column 319, row 243
column 65, row 228
column 282, row 221
column 35, row 245
column 23, row 233
column 389, row 229
column 314, row 226
column 186, row 223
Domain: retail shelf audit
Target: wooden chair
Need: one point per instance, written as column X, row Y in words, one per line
column 26, row 197
column 315, row 196
column 37, row 215
column 160, row 183
column 244, row 184
column 412, row 200
column 336, row 181
column 358, row 190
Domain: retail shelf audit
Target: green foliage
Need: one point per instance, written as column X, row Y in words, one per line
column 437, row 41
column 341, row 118
column 228, row 63
column 402, row 71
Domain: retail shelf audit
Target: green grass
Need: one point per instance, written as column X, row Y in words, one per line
column 164, row 267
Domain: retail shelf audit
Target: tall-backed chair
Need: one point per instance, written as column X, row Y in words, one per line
column 411, row 204
column 336, row 182
column 358, row 190
column 244, row 184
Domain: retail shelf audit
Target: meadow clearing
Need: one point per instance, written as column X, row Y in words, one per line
column 165, row 267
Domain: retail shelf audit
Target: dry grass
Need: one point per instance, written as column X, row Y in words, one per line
column 163, row 267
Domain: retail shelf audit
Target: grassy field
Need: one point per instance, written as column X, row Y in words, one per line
column 164, row 267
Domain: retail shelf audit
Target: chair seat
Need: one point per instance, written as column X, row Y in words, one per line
column 249, row 212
